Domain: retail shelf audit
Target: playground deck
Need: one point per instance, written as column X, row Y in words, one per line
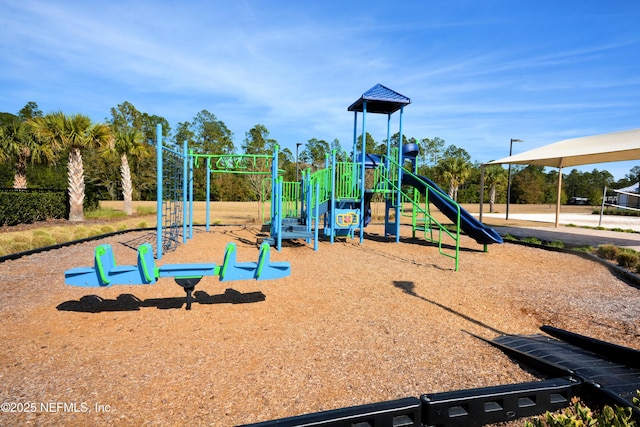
column 353, row 324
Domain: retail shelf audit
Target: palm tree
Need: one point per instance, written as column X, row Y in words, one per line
column 75, row 132
column 454, row 170
column 19, row 143
column 494, row 176
column 128, row 142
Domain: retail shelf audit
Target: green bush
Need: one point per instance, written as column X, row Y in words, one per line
column 80, row 233
column 533, row 240
column 26, row 207
column 627, row 259
column 556, row 244
column 42, row 241
column 21, row 238
column 145, row 210
column 91, row 200
column 107, row 229
column 105, row 213
column 16, row 247
column 579, row 415
column 609, row 252
column 95, row 231
column 60, row 236
column 587, row 249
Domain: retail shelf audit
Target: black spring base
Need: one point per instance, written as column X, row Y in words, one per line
column 188, row 284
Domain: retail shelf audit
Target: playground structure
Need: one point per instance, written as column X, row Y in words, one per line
column 105, row 271
column 336, row 201
column 331, row 202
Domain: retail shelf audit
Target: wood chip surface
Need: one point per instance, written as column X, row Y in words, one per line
column 353, row 324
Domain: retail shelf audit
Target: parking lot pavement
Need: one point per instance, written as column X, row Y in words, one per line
column 589, row 220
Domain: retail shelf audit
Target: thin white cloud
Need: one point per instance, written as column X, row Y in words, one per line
column 296, row 67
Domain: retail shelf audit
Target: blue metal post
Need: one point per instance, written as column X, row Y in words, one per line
column 355, row 138
column 274, row 180
column 159, row 173
column 363, row 152
column 387, row 165
column 355, row 135
column 279, row 215
column 388, row 139
column 208, row 193
column 309, row 198
column 401, row 163
column 185, row 177
column 332, row 216
column 191, row 177
column 317, row 224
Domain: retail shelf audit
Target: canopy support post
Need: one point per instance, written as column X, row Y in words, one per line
column 559, row 194
column 481, row 191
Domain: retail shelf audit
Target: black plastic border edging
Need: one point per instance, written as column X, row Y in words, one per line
column 631, row 278
column 404, row 412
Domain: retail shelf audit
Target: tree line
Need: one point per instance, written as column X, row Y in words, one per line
column 114, row 160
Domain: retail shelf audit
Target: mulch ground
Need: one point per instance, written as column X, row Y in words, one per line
column 353, row 324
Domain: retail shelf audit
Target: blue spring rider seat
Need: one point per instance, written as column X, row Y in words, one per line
column 105, row 271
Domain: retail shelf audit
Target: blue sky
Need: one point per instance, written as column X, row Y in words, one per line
column 478, row 72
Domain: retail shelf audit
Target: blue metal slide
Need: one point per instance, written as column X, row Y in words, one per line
column 468, row 223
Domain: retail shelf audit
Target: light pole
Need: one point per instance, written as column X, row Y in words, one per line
column 298, row 144
column 509, row 174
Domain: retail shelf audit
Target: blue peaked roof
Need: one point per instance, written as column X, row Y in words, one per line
column 380, row 99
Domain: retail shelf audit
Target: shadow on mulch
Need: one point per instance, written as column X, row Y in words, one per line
column 409, row 288
column 129, row 302
column 420, row 241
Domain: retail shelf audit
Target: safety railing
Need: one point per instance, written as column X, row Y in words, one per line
column 347, row 177
column 387, row 175
column 290, row 199
column 322, row 181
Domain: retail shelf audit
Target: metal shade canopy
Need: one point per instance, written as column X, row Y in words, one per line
column 380, row 99
column 587, row 150
column 607, row 147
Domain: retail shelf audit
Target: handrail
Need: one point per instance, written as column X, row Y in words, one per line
column 384, row 172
